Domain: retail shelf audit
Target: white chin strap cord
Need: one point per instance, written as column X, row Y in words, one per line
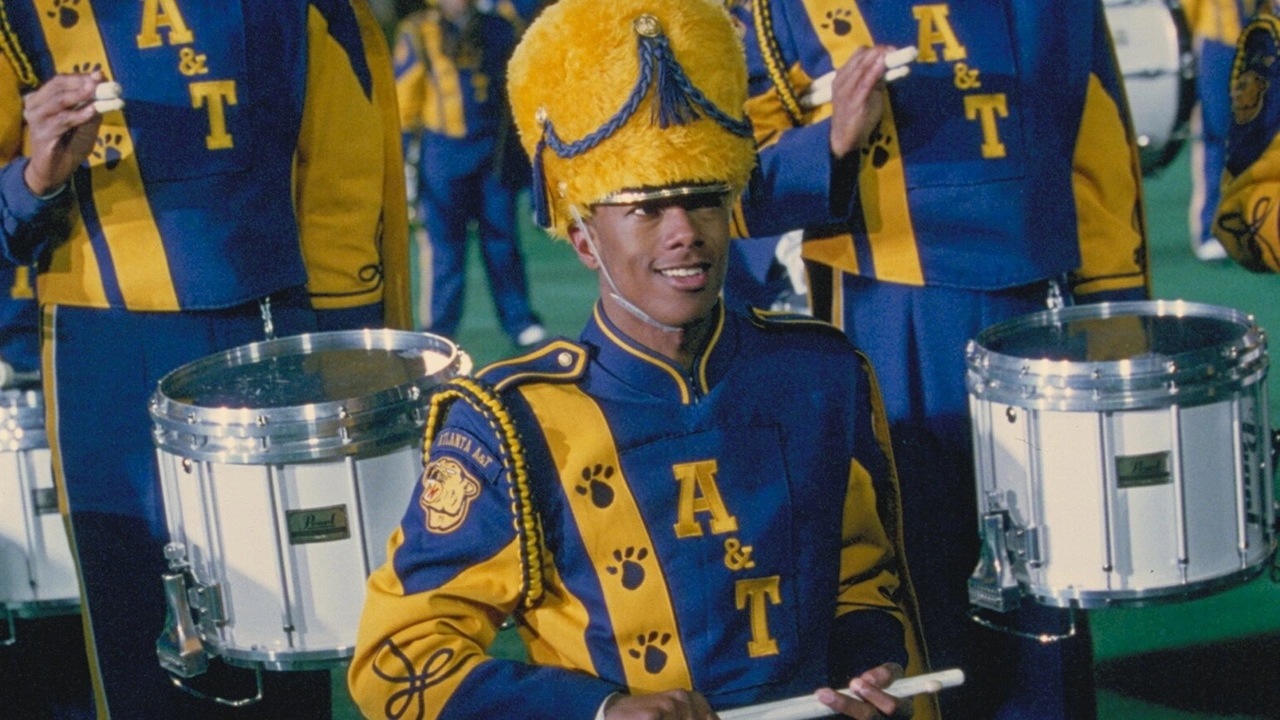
column 615, row 293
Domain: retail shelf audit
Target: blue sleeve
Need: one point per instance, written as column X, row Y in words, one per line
column 798, row 184
column 29, row 223
column 861, row 641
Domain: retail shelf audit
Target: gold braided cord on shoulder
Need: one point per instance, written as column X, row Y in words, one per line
column 772, row 54
column 511, row 452
column 12, row 49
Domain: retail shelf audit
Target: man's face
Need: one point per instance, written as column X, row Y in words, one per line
column 666, row 256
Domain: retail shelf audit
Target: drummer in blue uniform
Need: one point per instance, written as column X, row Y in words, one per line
column 1002, row 175
column 687, row 508
column 241, row 175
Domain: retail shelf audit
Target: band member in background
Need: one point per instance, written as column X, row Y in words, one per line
column 685, row 509
column 1001, row 175
column 1247, row 219
column 243, row 173
column 450, row 77
column 1215, row 27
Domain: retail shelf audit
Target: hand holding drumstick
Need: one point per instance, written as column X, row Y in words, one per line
column 63, row 117
column 854, row 92
column 878, row 693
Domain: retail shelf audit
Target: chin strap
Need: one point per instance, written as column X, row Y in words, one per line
column 614, row 292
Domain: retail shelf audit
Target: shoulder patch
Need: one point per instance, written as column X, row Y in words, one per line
column 771, row 320
column 559, row 361
column 1257, row 51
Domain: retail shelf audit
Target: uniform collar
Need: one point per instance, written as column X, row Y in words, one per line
column 649, row 373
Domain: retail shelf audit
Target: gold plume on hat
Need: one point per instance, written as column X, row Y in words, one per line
column 630, row 95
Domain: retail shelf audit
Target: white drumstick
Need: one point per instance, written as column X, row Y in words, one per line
column 106, row 97
column 107, row 91
column 105, row 106
column 807, row 707
column 896, row 65
column 13, row 378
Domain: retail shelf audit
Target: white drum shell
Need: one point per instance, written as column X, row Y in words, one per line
column 37, row 571
column 285, row 466
column 1100, row 542
column 288, row 604
column 1129, row 445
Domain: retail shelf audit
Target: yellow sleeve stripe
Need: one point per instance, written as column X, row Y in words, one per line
column 1110, row 224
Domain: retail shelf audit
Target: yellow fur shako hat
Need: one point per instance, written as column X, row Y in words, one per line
column 626, row 100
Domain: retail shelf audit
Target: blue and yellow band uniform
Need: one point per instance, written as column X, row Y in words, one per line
column 1005, row 160
column 1247, row 221
column 451, row 85
column 724, row 523
column 209, row 130
column 257, row 155
column 648, row 528
column 1215, row 27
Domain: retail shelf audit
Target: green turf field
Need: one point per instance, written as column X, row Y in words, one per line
column 1216, row 657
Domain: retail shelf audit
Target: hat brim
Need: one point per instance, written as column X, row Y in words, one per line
column 632, row 196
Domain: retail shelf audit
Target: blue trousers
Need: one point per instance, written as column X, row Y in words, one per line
column 1213, row 80
column 916, row 338
column 104, row 366
column 449, row 202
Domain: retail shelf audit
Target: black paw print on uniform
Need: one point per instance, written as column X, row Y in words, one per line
column 85, row 68
column 108, row 150
column 655, row 658
column 629, row 561
column 66, row 12
column 594, row 481
column 878, row 148
column 838, row 21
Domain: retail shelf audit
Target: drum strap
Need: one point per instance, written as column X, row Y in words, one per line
column 510, row 450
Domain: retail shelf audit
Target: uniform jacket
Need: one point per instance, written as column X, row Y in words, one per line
column 242, row 164
column 451, row 83
column 1011, row 108
column 649, row 530
column 1247, row 219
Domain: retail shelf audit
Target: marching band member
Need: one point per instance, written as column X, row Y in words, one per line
column 1215, row 27
column 1246, row 221
column 243, row 172
column 685, row 509
column 450, row 62
column 1003, row 172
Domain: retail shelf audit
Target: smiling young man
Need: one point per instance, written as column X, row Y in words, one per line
column 686, row 509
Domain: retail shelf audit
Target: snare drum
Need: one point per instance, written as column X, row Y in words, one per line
column 37, row 572
column 286, row 465
column 1122, row 452
column 1153, row 48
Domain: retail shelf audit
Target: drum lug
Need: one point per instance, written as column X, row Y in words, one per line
column 179, row 648
column 1027, row 546
column 992, row 584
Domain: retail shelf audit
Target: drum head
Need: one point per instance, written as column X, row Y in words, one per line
column 302, row 398
column 1113, row 356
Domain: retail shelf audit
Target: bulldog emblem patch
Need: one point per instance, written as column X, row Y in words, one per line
column 447, row 492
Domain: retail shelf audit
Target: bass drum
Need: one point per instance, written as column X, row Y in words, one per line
column 1153, row 47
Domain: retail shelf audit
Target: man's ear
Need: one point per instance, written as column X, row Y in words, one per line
column 582, row 245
